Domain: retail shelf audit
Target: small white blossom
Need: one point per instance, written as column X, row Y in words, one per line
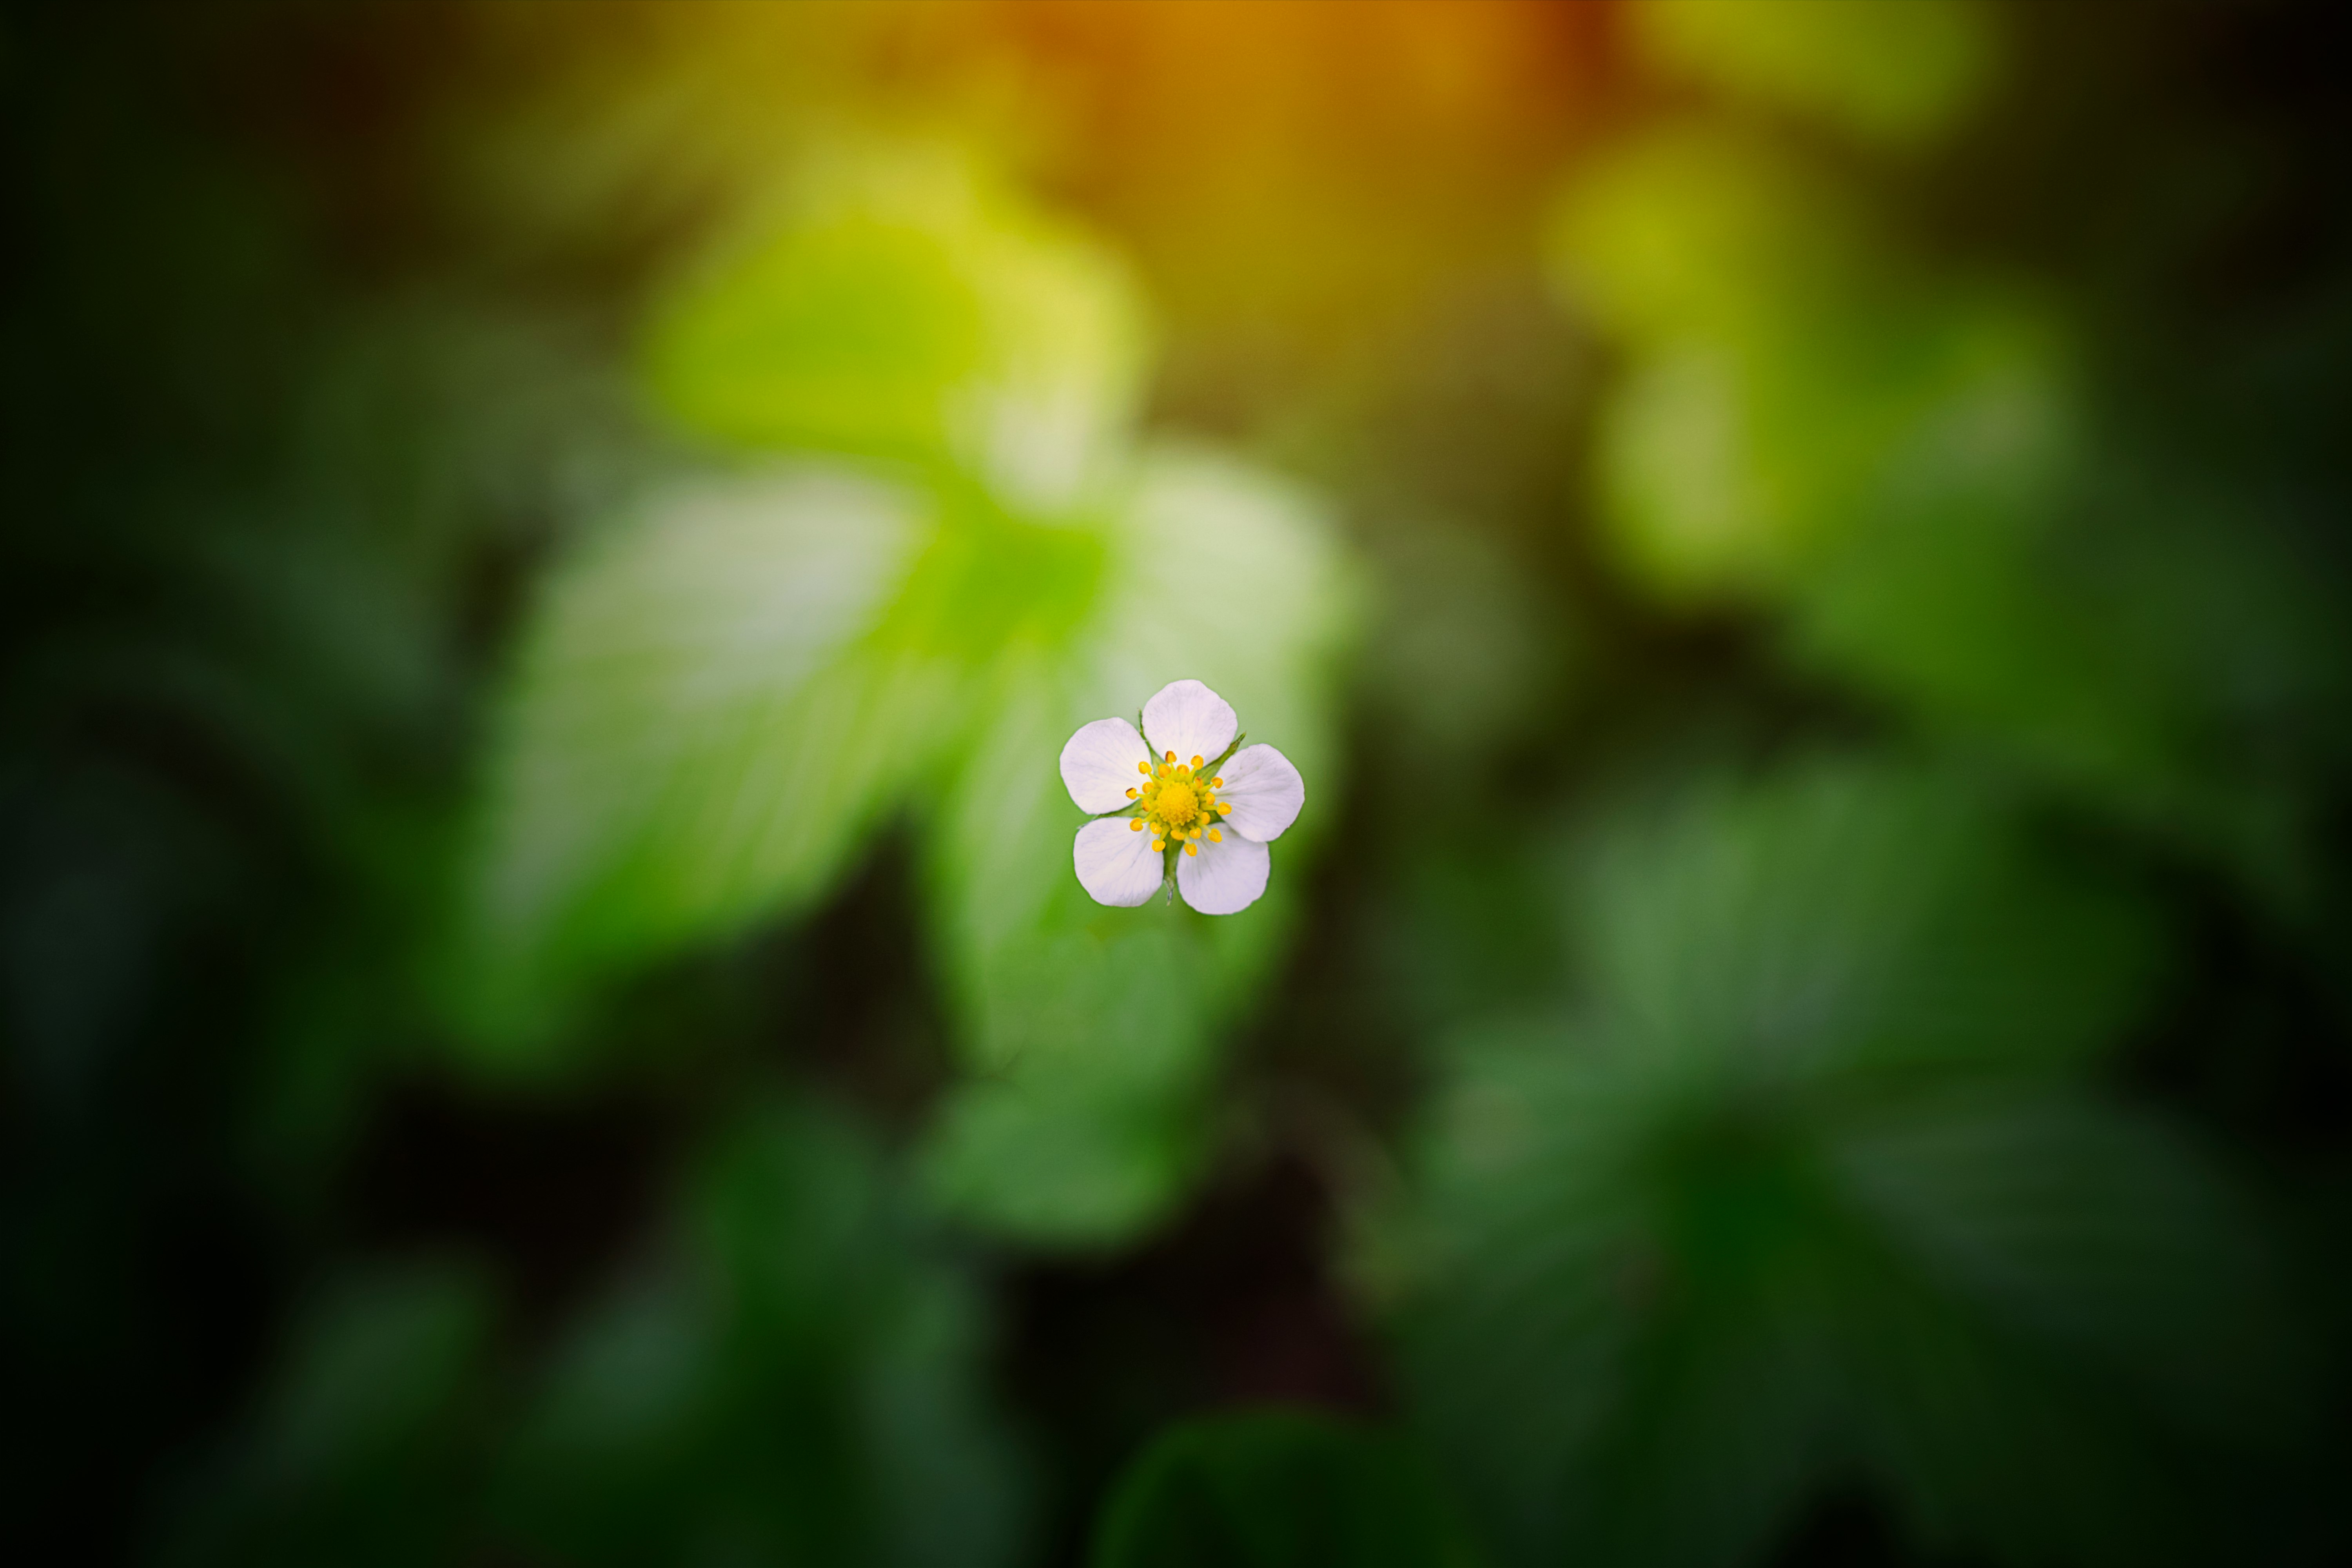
column 1188, row 803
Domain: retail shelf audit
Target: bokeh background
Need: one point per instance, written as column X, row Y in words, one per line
column 1801, row 547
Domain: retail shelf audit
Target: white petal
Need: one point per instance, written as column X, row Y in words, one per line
column 1116, row 863
column 1264, row 790
column 1099, row 765
column 1190, row 720
column 1223, row 878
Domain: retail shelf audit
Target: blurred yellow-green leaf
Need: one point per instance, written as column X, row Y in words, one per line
column 907, row 307
column 1896, row 73
column 1702, row 229
column 1796, row 380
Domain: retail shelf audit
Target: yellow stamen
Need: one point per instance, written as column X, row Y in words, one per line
column 1136, row 827
column 1215, row 836
column 1225, row 808
column 1176, row 803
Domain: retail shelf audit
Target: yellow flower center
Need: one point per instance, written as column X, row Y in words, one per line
column 1177, row 804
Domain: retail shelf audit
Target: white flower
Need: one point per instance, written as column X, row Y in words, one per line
column 1188, row 802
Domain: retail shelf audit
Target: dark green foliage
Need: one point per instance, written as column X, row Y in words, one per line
column 796, row 1384
column 1278, row 1490
column 792, row 1377
column 1809, row 1184
column 367, row 1446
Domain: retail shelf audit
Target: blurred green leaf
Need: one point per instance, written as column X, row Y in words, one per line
column 1902, row 465
column 2167, row 653
column 846, row 336
column 1851, row 918
column 1465, row 649
column 720, row 698
column 1797, row 384
column 711, row 706
column 1094, row 1028
column 1694, row 229
column 2096, row 1229
column 1801, row 1191
column 1083, row 1153
column 800, row 1383
column 1278, row 1490
column 367, row 1446
column 1259, row 603
column 718, row 702
column 1892, row 72
column 907, row 309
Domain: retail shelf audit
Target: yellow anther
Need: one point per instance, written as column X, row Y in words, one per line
column 1183, row 772
column 1216, row 783
column 1192, row 849
column 1171, row 756
column 1132, row 794
column 1196, row 761
column 1215, row 836
column 1143, row 768
column 1225, row 808
column 1136, row 827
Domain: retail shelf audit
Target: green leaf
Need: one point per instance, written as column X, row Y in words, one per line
column 2054, row 1251
column 1094, row 1028
column 1069, row 1154
column 1654, row 1322
column 2159, row 647
column 713, row 701
column 368, row 1443
column 907, row 307
column 1900, row 461
column 1894, row 74
column 1798, row 380
column 1214, row 572
column 1278, row 1490
column 1802, row 1190
column 2096, row 1227
column 799, row 1381
column 718, row 701
column 1697, row 231
column 1848, row 919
